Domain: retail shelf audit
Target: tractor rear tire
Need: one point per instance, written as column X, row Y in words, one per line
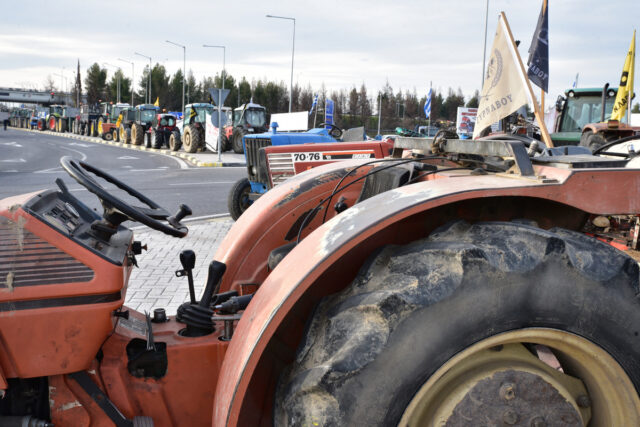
column 192, row 139
column 236, row 143
column 99, row 129
column 124, row 134
column 42, row 125
column 63, row 125
column 175, row 142
column 116, row 135
column 238, row 200
column 51, row 123
column 137, row 134
column 226, row 144
column 591, row 140
column 157, row 139
column 94, row 130
column 417, row 315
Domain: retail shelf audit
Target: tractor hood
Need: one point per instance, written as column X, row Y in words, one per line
column 291, row 138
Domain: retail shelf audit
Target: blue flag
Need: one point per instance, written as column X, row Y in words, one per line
column 538, row 62
column 427, row 105
column 315, row 102
column 328, row 113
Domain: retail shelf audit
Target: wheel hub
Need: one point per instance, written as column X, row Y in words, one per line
column 500, row 381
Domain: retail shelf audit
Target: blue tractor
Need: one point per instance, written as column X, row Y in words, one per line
column 248, row 189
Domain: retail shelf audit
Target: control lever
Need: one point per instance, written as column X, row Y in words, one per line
column 216, row 270
column 183, row 210
column 150, row 344
column 188, row 261
column 234, row 304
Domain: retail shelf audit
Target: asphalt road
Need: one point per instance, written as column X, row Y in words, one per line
column 31, row 162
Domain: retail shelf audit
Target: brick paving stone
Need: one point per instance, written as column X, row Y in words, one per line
column 154, row 284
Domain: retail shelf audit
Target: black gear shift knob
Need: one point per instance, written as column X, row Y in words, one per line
column 188, row 259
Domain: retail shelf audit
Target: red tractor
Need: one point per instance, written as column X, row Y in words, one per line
column 162, row 128
column 480, row 282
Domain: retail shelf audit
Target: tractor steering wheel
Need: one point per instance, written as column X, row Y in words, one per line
column 115, row 210
column 335, row 131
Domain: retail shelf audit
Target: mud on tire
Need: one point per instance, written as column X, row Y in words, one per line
column 137, row 134
column 192, row 140
column 591, row 140
column 175, row 141
column 236, row 141
column 368, row 349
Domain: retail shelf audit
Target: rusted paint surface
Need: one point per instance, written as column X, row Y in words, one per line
column 296, row 274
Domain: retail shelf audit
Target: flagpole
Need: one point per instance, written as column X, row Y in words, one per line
column 429, row 121
column 544, row 10
column 315, row 116
column 543, row 127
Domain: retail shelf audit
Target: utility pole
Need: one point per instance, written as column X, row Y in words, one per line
column 132, row 81
column 293, row 50
column 184, row 69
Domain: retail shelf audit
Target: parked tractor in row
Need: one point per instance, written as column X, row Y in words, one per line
column 288, row 162
column 246, row 119
column 583, row 118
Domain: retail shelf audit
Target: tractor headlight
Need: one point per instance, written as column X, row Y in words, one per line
column 254, row 170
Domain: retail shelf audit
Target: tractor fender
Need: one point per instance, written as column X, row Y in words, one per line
column 328, row 259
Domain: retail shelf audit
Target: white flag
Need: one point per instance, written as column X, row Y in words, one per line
column 505, row 86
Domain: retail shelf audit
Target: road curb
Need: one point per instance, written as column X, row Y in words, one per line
column 96, row 140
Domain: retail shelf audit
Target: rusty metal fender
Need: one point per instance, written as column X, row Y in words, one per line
column 322, row 263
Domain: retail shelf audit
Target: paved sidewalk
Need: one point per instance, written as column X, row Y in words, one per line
column 203, row 159
column 154, row 284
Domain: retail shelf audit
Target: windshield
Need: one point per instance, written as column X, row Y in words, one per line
column 116, row 111
column 167, row 121
column 56, row 110
column 581, row 110
column 200, row 113
column 256, row 118
column 146, row 115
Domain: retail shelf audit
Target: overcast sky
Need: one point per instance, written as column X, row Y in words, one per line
column 338, row 43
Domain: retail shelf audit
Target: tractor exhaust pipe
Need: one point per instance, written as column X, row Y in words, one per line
column 604, row 100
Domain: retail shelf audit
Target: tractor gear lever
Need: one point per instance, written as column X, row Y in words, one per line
column 188, row 261
column 183, row 210
column 216, row 270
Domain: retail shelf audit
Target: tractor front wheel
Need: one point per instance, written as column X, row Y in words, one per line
column 192, row 139
column 125, row 134
column 137, row 134
column 157, row 138
column 175, row 142
column 107, row 136
column 238, row 200
column 236, row 143
column 591, row 140
column 491, row 323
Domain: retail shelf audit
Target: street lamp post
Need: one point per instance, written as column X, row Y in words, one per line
column 117, row 79
column 184, row 69
column 224, row 54
column 293, row 50
column 148, row 77
column 132, row 74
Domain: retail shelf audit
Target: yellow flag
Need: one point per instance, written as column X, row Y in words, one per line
column 625, row 90
column 505, row 86
column 157, row 103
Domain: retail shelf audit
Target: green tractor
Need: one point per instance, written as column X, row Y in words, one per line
column 65, row 122
column 584, row 118
column 142, row 122
column 55, row 112
column 193, row 127
column 109, row 113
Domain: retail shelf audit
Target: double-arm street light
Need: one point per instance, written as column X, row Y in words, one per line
column 117, row 79
column 293, row 50
column 184, row 69
column 132, row 84
column 148, row 77
column 224, row 54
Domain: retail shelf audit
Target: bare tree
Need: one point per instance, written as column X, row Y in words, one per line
column 49, row 84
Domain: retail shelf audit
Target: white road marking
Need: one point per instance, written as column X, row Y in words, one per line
column 12, row 170
column 201, row 183
column 50, row 170
column 11, row 144
column 78, row 144
column 128, row 158
column 147, row 170
column 14, row 161
column 77, row 189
